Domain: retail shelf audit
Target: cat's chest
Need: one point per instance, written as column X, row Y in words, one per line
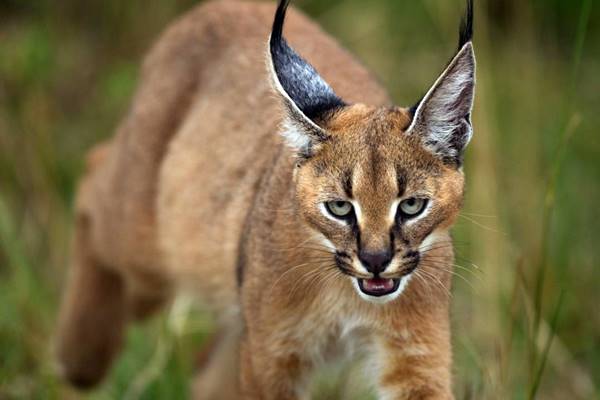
column 337, row 352
column 332, row 341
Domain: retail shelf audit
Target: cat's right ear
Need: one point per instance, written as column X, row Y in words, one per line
column 308, row 99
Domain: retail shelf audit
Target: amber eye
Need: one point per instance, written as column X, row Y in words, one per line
column 412, row 207
column 339, row 208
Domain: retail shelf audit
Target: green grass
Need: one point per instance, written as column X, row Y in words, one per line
column 525, row 308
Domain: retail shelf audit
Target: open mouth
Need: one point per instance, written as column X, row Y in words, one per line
column 378, row 287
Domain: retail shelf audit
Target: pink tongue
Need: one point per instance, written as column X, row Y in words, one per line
column 378, row 284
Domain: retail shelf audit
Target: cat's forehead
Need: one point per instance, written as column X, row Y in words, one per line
column 368, row 122
column 370, row 145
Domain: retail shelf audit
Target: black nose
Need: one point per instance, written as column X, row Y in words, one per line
column 375, row 261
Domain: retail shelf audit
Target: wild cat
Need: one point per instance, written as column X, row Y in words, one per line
column 301, row 207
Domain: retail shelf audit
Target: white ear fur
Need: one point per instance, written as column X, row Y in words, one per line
column 295, row 137
column 442, row 117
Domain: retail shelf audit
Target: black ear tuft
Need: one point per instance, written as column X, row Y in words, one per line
column 299, row 80
column 465, row 34
column 277, row 30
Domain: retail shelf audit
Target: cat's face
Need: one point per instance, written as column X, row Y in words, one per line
column 379, row 186
column 377, row 198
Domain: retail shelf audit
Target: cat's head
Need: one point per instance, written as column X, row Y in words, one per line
column 379, row 185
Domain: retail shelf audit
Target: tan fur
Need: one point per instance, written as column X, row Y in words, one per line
column 197, row 180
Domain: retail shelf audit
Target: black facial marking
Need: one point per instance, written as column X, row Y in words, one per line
column 347, row 183
column 410, row 265
column 342, row 260
column 301, row 82
column 397, row 232
column 401, row 180
column 392, row 240
column 356, row 232
column 342, row 254
column 341, row 257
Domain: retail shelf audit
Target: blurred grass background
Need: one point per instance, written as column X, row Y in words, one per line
column 526, row 308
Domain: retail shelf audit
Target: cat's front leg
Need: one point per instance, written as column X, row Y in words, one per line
column 271, row 369
column 415, row 365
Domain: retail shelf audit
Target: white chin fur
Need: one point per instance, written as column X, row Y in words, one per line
column 382, row 299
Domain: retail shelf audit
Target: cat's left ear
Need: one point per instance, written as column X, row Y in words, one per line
column 442, row 119
column 308, row 99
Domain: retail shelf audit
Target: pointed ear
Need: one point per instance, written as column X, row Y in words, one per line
column 443, row 117
column 306, row 96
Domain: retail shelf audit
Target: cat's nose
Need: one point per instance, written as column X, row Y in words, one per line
column 375, row 261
